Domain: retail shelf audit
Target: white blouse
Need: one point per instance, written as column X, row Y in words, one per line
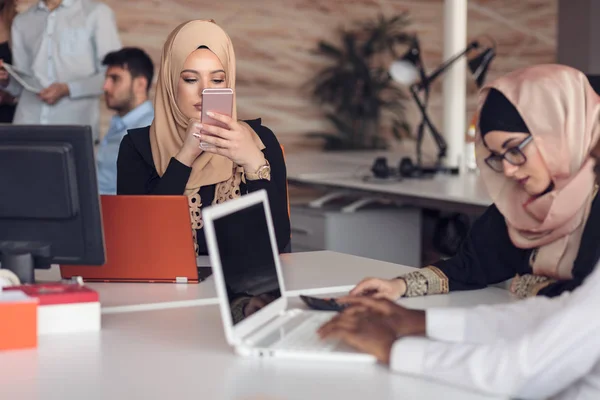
column 537, row 348
column 64, row 45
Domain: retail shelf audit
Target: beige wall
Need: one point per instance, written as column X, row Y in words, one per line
column 274, row 38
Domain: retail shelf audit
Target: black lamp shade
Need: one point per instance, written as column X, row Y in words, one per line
column 413, row 55
column 480, row 65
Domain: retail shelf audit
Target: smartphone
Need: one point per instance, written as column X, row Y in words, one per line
column 322, row 304
column 219, row 101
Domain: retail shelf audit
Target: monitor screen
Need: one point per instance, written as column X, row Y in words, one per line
column 249, row 271
column 49, row 207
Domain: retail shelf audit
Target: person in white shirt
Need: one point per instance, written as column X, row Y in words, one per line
column 129, row 76
column 60, row 44
column 532, row 349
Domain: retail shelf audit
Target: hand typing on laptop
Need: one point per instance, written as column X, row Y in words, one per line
column 372, row 325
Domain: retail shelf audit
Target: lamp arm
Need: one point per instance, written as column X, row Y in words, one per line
column 439, row 139
column 442, row 68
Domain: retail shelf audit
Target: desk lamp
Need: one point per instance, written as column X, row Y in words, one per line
column 409, row 70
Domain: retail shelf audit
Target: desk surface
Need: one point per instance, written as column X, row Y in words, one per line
column 307, row 165
column 182, row 354
column 157, row 343
column 345, row 171
column 311, row 273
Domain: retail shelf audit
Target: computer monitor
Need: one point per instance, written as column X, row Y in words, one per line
column 49, row 206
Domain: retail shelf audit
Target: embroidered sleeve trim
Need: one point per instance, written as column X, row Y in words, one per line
column 529, row 285
column 428, row 280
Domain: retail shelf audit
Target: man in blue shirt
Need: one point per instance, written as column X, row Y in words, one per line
column 129, row 76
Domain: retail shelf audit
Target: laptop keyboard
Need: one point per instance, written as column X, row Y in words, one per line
column 305, row 337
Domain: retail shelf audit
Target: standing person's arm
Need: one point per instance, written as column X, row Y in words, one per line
column 19, row 55
column 106, row 39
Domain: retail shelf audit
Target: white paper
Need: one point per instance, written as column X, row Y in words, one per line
column 27, row 81
column 13, row 296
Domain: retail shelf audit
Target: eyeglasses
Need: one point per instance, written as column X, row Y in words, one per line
column 514, row 155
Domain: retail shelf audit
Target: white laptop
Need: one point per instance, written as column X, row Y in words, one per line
column 251, row 291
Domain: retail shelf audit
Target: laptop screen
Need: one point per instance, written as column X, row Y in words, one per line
column 247, row 261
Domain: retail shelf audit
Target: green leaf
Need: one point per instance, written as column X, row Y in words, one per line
column 355, row 90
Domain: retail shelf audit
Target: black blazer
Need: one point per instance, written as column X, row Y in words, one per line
column 136, row 175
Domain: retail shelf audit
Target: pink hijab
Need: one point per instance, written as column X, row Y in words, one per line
column 562, row 113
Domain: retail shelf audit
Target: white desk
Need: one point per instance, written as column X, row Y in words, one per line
column 176, row 349
column 308, row 273
column 343, row 171
column 182, row 354
column 311, row 273
column 319, row 224
column 127, row 297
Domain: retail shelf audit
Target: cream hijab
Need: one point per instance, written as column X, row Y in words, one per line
column 167, row 132
column 562, row 113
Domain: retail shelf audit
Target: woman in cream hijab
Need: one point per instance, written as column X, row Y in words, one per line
column 536, row 128
column 166, row 158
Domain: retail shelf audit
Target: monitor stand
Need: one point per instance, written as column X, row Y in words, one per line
column 22, row 258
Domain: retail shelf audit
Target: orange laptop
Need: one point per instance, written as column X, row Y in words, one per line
column 147, row 238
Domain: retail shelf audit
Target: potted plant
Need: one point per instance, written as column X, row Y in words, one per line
column 358, row 95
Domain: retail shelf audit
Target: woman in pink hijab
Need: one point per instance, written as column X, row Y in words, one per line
column 536, row 129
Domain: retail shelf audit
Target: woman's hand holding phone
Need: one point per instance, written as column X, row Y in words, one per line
column 235, row 142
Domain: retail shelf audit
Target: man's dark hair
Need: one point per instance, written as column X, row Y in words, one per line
column 133, row 59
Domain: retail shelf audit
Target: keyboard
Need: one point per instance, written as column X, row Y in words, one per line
column 305, row 337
